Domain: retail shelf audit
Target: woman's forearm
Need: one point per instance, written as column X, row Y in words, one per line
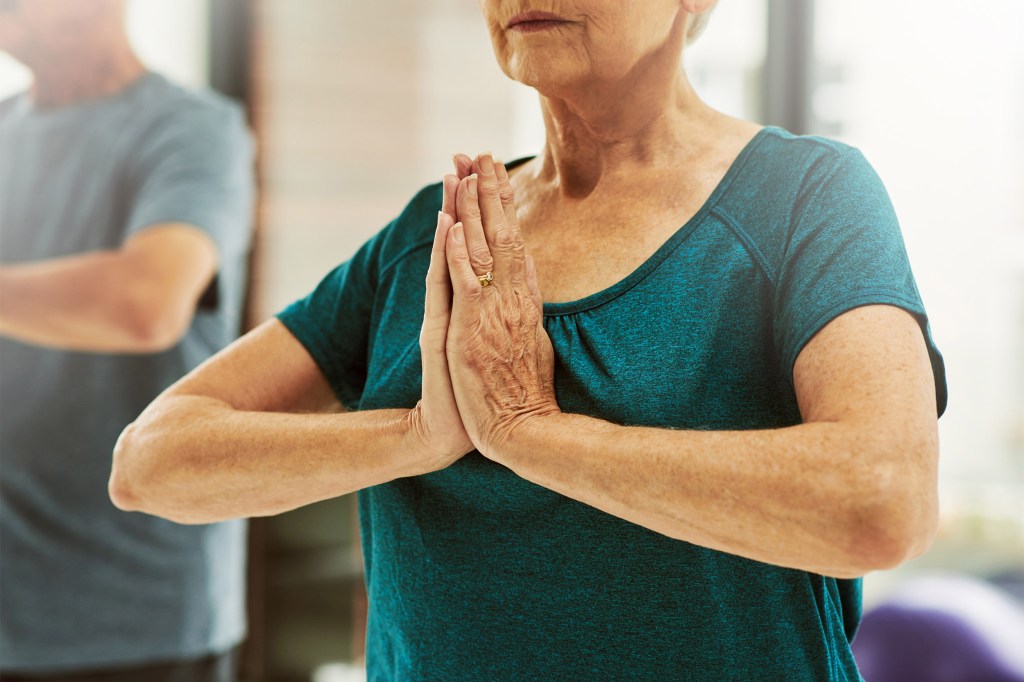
column 819, row 497
column 195, row 459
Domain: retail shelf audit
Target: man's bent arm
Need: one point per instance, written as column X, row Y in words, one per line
column 139, row 298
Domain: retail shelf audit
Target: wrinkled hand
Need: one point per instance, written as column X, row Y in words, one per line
column 435, row 420
column 499, row 356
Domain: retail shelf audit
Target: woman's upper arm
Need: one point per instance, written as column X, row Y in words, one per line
column 869, row 364
column 868, row 372
column 267, row 370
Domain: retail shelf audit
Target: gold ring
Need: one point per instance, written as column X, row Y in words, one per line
column 485, row 280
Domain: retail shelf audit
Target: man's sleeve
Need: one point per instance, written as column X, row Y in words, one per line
column 196, row 167
column 844, row 250
column 333, row 322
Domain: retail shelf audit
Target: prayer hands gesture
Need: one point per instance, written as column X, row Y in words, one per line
column 488, row 363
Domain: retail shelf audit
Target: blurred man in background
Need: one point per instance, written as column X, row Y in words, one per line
column 125, row 212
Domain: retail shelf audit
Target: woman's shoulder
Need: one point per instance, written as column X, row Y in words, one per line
column 788, row 180
column 780, row 171
column 798, row 158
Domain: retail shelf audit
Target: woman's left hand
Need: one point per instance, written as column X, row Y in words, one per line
column 499, row 356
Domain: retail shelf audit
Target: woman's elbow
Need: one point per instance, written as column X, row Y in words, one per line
column 154, row 468
column 127, row 478
column 896, row 523
column 135, row 484
column 131, row 486
column 131, row 490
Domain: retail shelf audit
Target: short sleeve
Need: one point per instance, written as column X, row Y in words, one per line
column 844, row 250
column 333, row 321
column 196, row 167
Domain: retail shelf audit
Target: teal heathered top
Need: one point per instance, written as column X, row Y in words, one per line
column 474, row 573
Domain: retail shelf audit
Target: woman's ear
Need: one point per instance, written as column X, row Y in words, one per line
column 697, row 6
column 696, row 12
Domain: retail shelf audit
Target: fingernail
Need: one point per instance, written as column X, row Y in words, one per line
column 471, row 185
column 457, row 233
column 487, row 164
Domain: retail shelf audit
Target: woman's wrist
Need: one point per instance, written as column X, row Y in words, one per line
column 525, row 436
column 419, row 453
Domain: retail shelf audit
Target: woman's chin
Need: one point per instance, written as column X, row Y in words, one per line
column 544, row 78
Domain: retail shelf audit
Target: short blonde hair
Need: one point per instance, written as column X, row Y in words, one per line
column 697, row 24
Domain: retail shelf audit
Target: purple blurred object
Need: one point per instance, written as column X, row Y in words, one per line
column 943, row 629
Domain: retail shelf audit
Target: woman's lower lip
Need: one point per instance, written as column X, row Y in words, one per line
column 534, row 26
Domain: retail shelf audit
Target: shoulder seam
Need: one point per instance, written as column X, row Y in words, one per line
column 748, row 242
column 834, row 153
column 772, row 272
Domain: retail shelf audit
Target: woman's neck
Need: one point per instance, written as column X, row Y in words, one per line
column 612, row 130
column 645, row 118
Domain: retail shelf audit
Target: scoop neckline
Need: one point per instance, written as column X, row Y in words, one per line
column 561, row 308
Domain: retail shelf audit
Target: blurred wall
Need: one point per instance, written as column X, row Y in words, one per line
column 357, row 106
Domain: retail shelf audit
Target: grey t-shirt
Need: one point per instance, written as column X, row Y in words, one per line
column 84, row 584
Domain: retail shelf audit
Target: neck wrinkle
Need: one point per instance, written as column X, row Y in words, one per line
column 648, row 115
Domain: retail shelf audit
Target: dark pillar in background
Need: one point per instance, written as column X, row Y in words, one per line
column 230, row 48
column 229, row 45
column 230, row 51
column 788, row 69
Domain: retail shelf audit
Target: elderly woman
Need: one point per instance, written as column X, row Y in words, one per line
column 662, row 446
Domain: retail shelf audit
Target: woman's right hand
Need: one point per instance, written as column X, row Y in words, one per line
column 435, row 421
